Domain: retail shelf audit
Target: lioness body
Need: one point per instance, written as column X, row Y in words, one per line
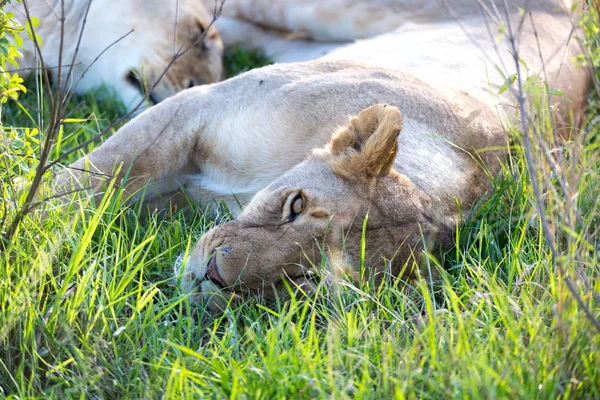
column 452, row 43
column 231, row 150
column 230, row 140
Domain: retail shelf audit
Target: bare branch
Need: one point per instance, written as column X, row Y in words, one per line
column 34, row 205
column 39, row 68
column 176, row 25
column 38, row 50
column 79, row 38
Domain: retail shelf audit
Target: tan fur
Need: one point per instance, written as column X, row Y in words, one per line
column 264, row 139
column 155, row 31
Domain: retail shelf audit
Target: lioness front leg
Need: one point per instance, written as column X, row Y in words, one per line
column 154, row 148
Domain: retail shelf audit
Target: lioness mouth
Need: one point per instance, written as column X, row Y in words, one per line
column 212, row 272
column 135, row 79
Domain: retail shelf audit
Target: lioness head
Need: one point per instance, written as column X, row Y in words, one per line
column 185, row 35
column 317, row 210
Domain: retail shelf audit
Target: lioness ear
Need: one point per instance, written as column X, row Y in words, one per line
column 367, row 147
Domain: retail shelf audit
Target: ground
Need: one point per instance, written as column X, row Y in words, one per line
column 89, row 303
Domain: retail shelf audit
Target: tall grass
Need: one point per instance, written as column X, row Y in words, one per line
column 89, row 304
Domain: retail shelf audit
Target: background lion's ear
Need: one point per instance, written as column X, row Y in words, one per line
column 368, row 145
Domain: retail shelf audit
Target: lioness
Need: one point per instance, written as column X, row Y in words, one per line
column 279, row 141
column 126, row 44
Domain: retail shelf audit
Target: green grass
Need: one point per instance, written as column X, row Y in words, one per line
column 89, row 304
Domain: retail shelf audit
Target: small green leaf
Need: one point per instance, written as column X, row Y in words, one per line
column 18, row 40
column 501, row 29
column 13, row 62
column 507, row 83
column 35, row 21
column 556, row 92
column 16, row 144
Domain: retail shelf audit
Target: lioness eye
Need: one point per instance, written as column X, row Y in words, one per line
column 202, row 28
column 297, row 206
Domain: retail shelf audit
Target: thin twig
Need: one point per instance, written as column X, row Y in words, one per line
column 38, row 68
column 38, row 50
column 58, row 195
column 176, row 25
column 76, row 52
